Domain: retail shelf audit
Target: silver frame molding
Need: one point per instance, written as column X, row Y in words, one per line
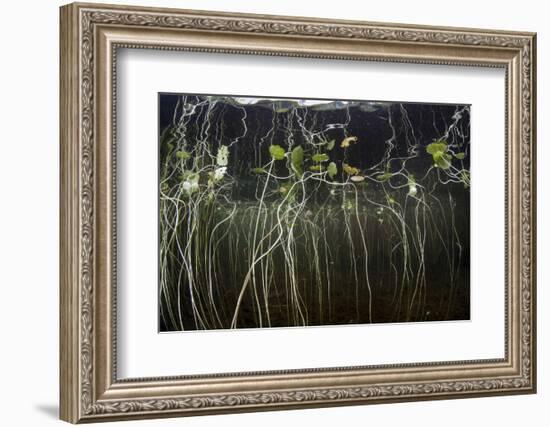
column 90, row 37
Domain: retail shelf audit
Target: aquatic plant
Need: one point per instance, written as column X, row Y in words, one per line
column 278, row 214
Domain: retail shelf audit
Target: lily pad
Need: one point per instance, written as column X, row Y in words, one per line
column 460, row 156
column 436, row 147
column 331, row 144
column 258, row 171
column 277, row 152
column 442, row 160
column 320, row 157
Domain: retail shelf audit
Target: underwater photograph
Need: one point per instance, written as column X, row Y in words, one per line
column 280, row 212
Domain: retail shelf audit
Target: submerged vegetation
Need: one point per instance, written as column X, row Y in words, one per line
column 294, row 213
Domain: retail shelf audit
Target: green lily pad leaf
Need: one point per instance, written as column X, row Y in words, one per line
column 320, row 157
column 277, row 152
column 183, row 155
column 331, row 144
column 437, row 147
column 442, row 160
column 258, row 171
column 297, row 160
column 316, row 168
column 332, row 170
column 460, row 156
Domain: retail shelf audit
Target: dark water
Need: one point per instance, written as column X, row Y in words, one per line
column 279, row 212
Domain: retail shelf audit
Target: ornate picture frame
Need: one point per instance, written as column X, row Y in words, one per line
column 90, row 37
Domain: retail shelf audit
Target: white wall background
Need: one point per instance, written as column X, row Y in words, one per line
column 29, row 171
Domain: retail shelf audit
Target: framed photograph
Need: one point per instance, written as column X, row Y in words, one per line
column 267, row 212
